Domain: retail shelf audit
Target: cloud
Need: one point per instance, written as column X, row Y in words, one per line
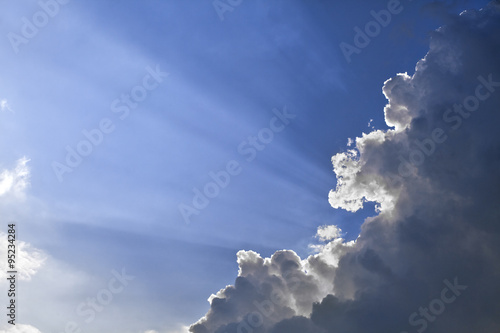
column 13, row 184
column 429, row 260
column 15, row 181
column 269, row 290
column 29, row 260
column 328, row 232
column 4, row 105
column 20, row 328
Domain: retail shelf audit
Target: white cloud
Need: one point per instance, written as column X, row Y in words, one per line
column 328, row 232
column 20, row 328
column 355, row 187
column 284, row 282
column 4, row 105
column 29, row 260
column 15, row 181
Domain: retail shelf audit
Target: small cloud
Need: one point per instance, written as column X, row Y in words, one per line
column 4, row 105
column 328, row 232
column 349, row 142
column 15, row 181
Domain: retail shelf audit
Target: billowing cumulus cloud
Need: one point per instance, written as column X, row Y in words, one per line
column 269, row 290
column 429, row 260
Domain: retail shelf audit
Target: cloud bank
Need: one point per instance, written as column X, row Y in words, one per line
column 429, row 260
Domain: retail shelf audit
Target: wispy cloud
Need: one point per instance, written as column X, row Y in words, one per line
column 4, row 105
column 16, row 180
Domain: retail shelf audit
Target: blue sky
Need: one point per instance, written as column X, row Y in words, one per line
column 120, row 206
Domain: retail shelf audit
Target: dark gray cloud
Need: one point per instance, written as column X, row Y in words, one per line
column 429, row 260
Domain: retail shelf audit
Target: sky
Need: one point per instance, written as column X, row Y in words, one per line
column 305, row 166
